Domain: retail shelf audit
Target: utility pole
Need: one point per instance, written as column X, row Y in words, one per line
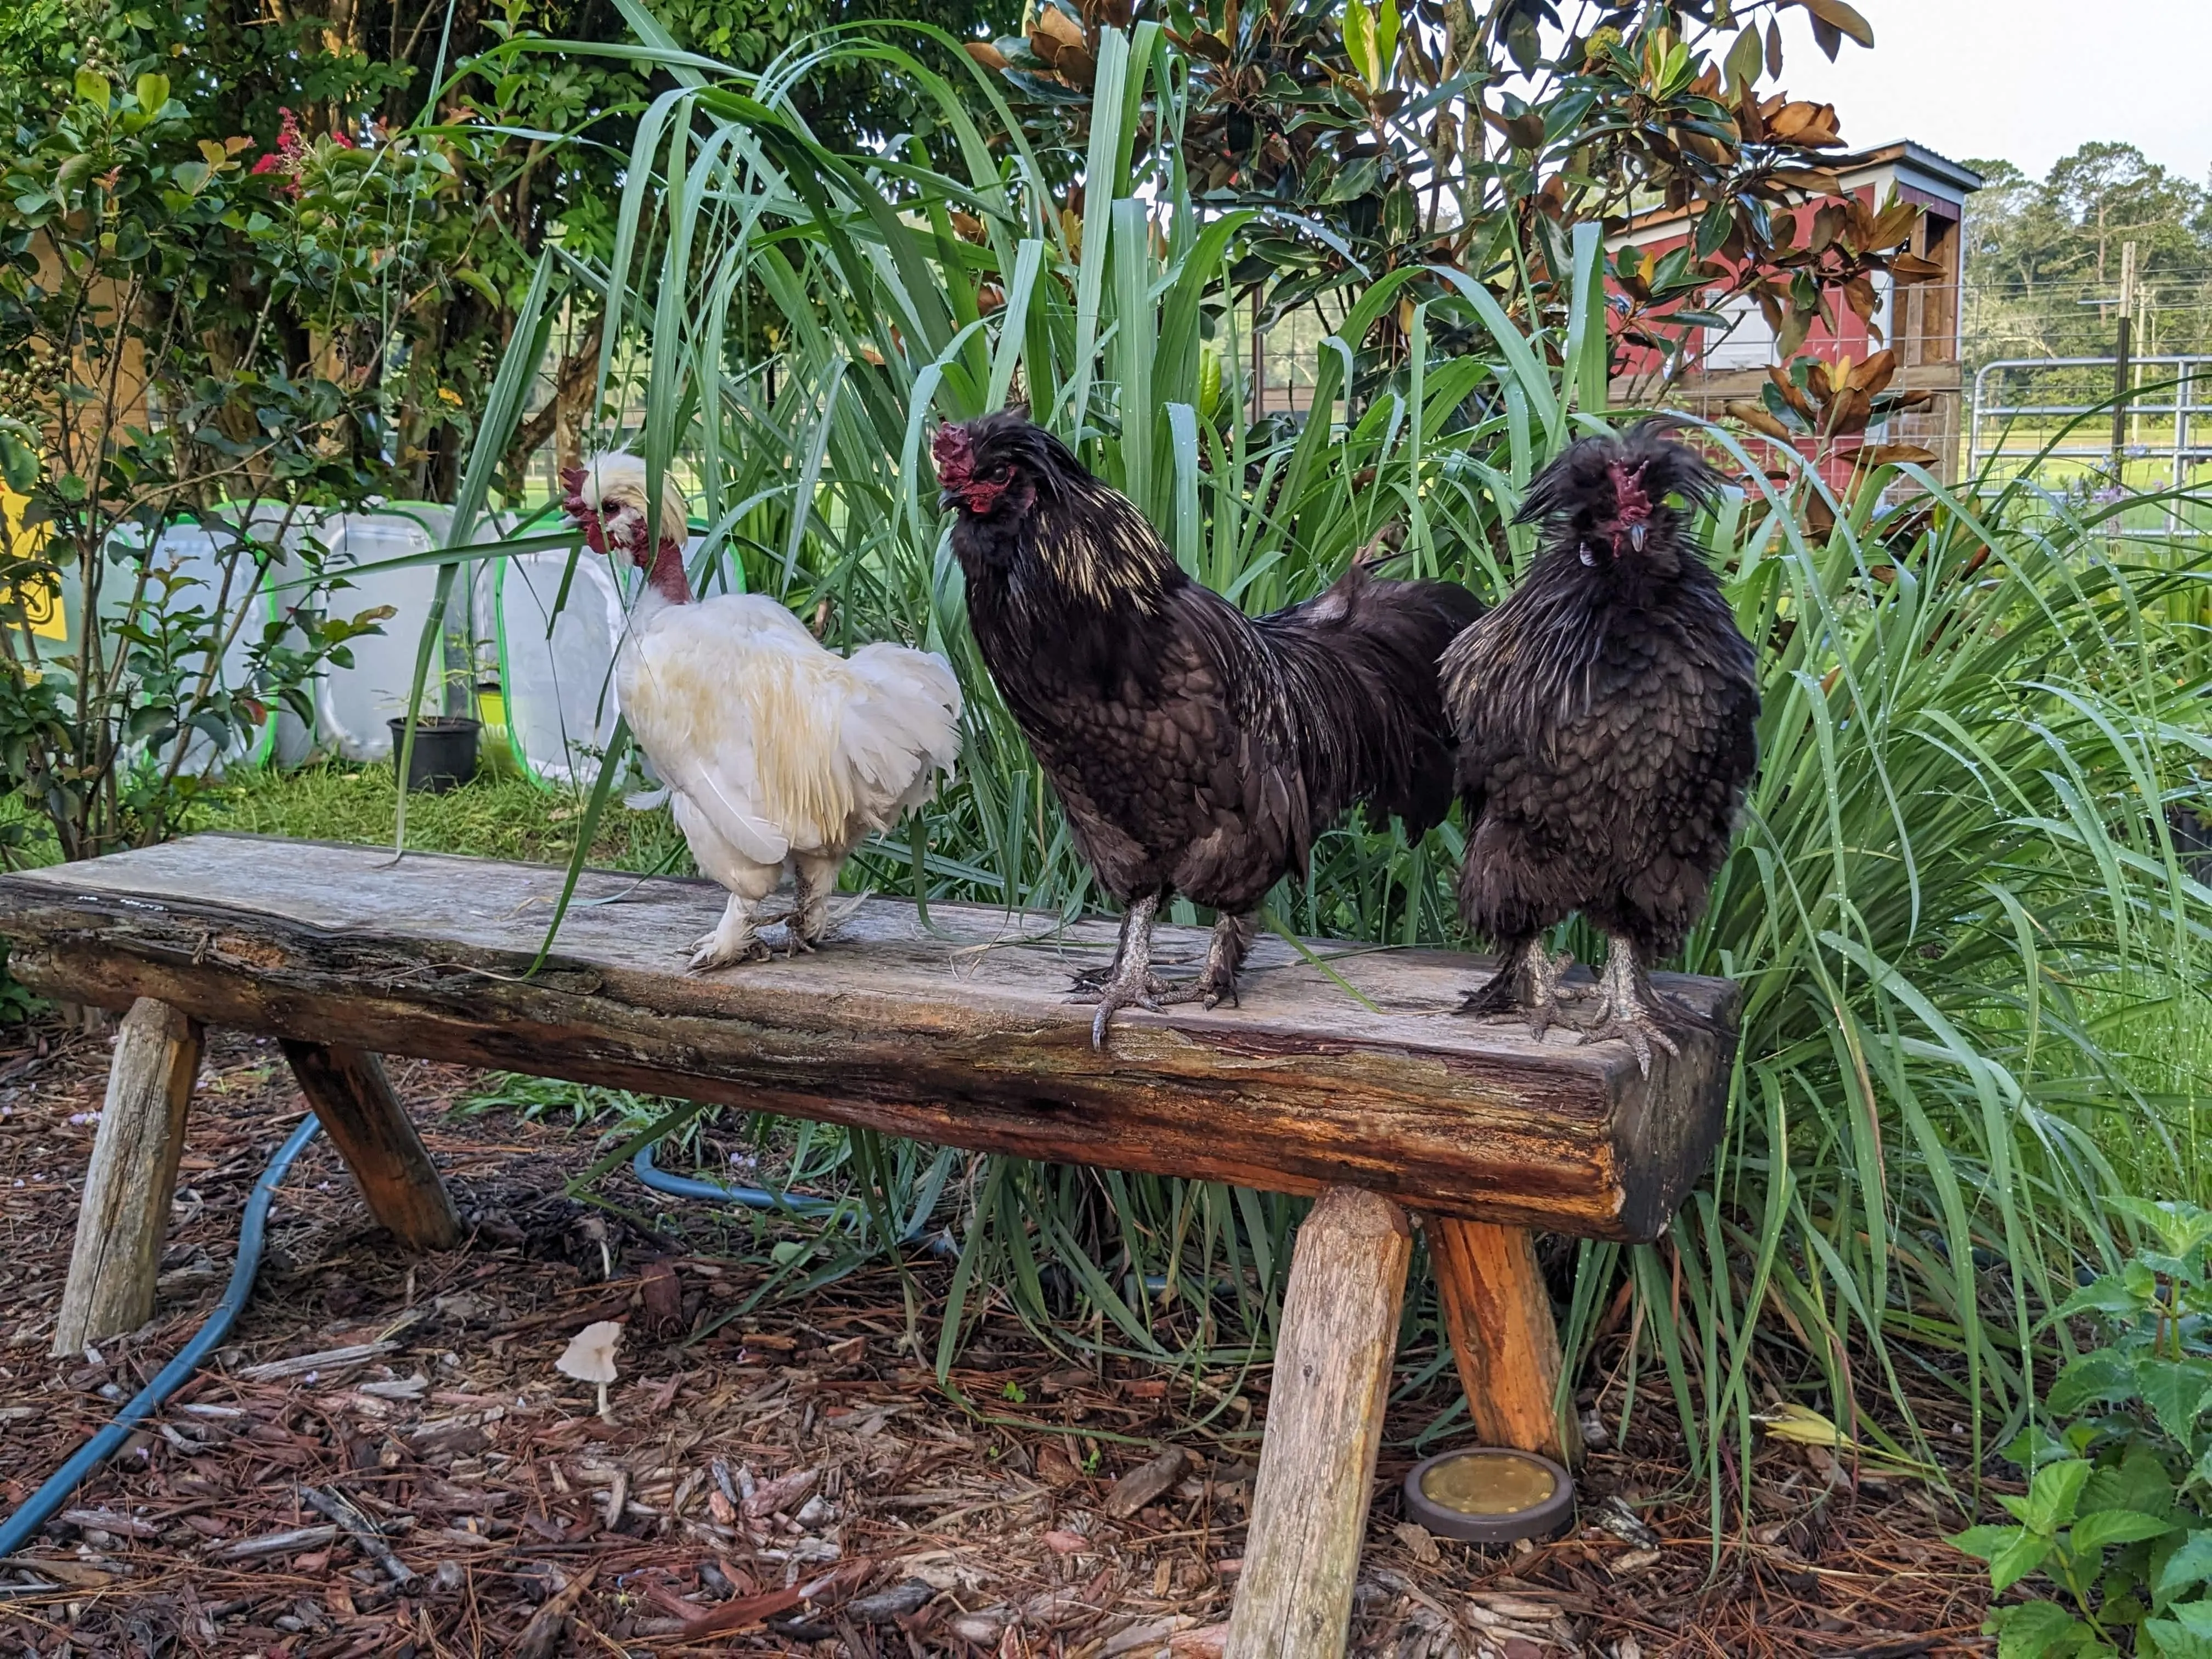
column 2123, row 370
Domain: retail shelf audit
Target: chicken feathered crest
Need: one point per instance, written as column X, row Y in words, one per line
column 775, row 750
column 1195, row 750
column 1607, row 714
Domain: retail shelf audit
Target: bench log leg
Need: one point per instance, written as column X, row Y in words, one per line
column 1332, row 1378
column 1499, row 1317
column 125, row 1213
column 349, row 1092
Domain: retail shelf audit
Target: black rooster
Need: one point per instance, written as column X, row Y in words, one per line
column 1607, row 716
column 1196, row 750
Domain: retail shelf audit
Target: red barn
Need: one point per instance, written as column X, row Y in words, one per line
column 1920, row 321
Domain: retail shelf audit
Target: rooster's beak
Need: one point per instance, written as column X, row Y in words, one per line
column 947, row 500
column 1637, row 532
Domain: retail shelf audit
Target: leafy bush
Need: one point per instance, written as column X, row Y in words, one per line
column 2115, row 1513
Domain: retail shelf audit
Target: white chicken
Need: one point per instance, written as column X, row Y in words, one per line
column 775, row 750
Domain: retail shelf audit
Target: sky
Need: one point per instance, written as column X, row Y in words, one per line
column 2027, row 81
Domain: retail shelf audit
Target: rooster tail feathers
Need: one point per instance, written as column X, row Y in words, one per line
column 1361, row 666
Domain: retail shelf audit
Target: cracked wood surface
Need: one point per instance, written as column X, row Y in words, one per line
column 958, row 1030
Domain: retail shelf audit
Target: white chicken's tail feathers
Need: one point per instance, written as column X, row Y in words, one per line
column 904, row 728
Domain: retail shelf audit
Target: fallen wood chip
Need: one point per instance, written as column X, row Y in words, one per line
column 328, row 1359
column 1145, row 1483
column 541, row 1637
column 888, row 1607
column 365, row 1532
column 78, row 1575
column 780, row 1493
column 1206, row 1642
column 1147, row 1638
column 127, row 1526
column 278, row 1543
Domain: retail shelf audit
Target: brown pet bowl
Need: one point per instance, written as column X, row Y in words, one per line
column 1489, row 1495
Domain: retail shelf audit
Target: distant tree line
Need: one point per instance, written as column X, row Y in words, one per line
column 2045, row 257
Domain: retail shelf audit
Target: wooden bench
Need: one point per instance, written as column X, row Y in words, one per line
column 956, row 1029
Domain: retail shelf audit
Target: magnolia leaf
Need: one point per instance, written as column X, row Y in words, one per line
column 1387, row 24
column 1911, row 268
column 1359, row 44
column 1828, row 37
column 1745, row 60
column 1774, row 48
column 1896, row 455
column 1837, row 15
column 986, row 54
column 1755, row 418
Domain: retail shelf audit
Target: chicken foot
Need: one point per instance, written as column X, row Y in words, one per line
column 1217, row 984
column 1629, row 1010
column 1130, row 982
column 1502, row 994
column 1224, row 956
column 736, row 939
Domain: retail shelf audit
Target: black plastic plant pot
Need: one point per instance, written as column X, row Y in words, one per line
column 445, row 755
column 1490, row 1495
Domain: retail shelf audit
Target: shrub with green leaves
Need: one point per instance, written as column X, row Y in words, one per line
column 2115, row 1515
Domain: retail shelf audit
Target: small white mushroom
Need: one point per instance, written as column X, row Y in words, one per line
column 590, row 1357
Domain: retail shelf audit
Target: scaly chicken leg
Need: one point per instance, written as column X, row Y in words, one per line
column 1130, row 982
column 1501, row 993
column 1628, row 1008
column 1143, row 988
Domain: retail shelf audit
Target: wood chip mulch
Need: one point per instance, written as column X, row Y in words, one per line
column 385, row 1459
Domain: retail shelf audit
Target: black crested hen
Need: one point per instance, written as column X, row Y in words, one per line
column 1195, row 750
column 1607, row 714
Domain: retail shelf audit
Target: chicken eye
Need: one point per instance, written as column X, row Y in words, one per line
column 1006, row 472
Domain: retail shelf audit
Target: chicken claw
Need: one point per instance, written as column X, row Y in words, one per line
column 1629, row 1009
column 736, row 939
column 709, row 952
column 1501, row 996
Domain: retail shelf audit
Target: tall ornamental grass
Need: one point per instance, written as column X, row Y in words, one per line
column 1954, row 906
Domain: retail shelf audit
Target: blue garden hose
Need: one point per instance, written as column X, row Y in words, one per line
column 759, row 1198
column 20, row 1528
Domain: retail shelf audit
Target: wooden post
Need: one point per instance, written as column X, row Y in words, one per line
column 348, row 1091
column 1332, row 1378
column 1499, row 1317
column 125, row 1213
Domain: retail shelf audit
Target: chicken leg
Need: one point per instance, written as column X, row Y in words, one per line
column 814, row 877
column 1225, row 956
column 736, row 939
column 1628, row 1008
column 1502, row 994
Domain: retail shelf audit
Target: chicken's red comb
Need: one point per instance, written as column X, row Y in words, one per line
column 955, row 453
column 1631, row 502
column 572, row 481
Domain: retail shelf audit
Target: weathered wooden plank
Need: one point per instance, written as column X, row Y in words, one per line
column 1332, row 1381
column 1503, row 1337
column 125, row 1213
column 351, row 1095
column 957, row 1031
